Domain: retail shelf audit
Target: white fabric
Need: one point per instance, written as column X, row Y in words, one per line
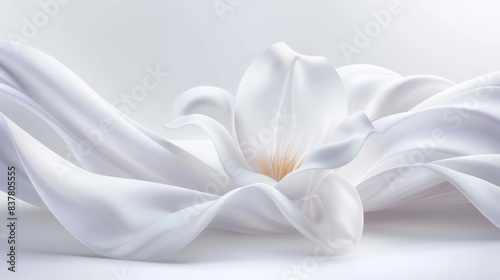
column 138, row 196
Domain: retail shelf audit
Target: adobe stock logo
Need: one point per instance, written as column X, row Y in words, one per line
column 373, row 28
column 222, row 7
column 30, row 27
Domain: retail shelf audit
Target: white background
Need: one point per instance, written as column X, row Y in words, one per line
column 110, row 44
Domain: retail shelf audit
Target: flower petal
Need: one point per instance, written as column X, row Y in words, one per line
column 230, row 155
column 213, row 102
column 343, row 210
column 143, row 220
column 287, row 102
column 329, row 201
column 345, row 144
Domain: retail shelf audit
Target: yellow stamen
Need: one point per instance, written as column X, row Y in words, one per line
column 281, row 165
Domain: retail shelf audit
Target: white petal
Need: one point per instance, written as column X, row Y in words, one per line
column 287, row 100
column 213, row 102
column 329, row 201
column 229, row 153
column 345, row 144
column 133, row 219
column 343, row 209
column 212, row 109
column 301, row 184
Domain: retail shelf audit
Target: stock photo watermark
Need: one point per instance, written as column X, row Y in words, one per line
column 31, row 26
column 121, row 274
column 222, row 7
column 363, row 36
column 150, row 82
column 309, row 265
column 125, row 104
column 277, row 124
column 11, row 219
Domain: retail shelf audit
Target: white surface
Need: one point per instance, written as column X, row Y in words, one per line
column 448, row 242
column 109, row 44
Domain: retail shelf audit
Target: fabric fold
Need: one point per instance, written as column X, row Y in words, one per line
column 145, row 220
column 302, row 147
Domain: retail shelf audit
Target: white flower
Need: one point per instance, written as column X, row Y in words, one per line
column 287, row 128
column 294, row 150
column 136, row 195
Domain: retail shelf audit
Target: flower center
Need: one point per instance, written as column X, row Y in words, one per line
column 278, row 166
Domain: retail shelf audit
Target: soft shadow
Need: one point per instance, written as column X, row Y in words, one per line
column 446, row 223
column 223, row 246
column 40, row 232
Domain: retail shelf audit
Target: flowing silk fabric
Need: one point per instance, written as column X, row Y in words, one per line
column 370, row 140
